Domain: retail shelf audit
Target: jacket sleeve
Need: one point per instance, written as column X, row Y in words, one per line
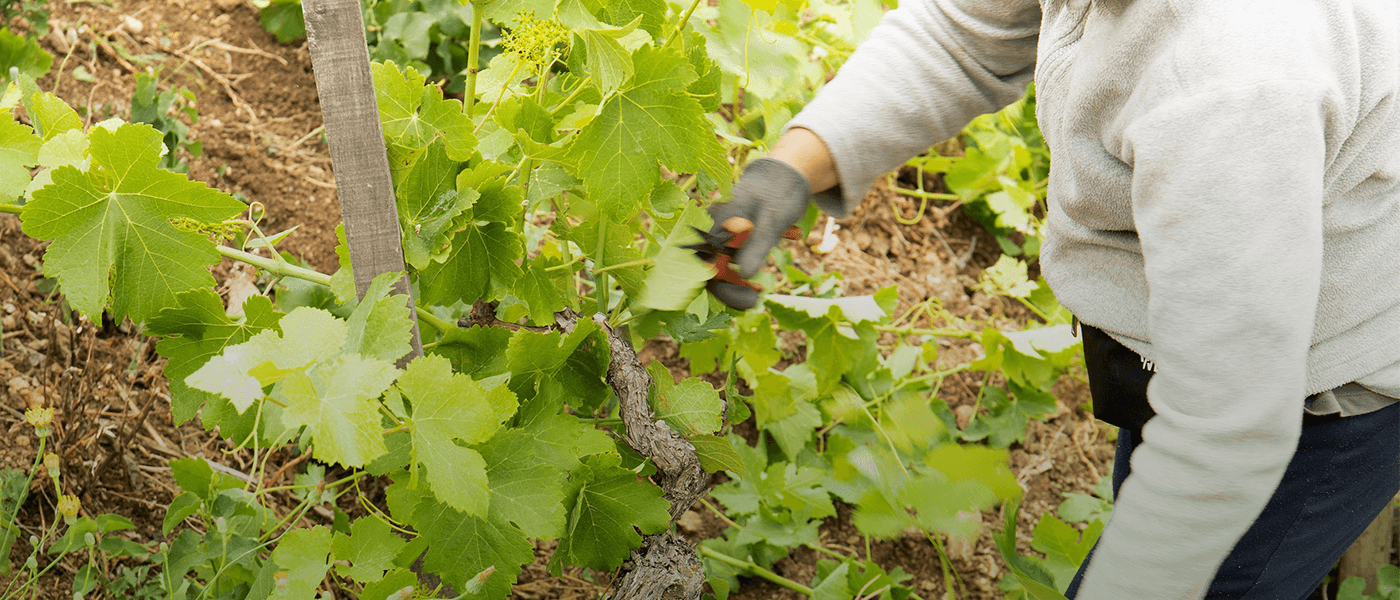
column 927, row 70
column 1227, row 195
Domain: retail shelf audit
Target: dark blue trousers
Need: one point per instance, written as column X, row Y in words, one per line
column 1346, row 470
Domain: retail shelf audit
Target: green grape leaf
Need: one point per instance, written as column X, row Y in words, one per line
column 479, row 265
column 1029, row 573
column 296, row 569
column 19, row 150
column 909, row 422
column 499, row 202
column 547, row 353
column 578, row 14
column 477, row 351
column 989, row 466
column 181, row 507
column 616, row 253
column 311, row 335
column 799, row 489
column 678, row 275
column 525, row 490
column 49, row 114
column 67, row 148
column 196, row 329
column 113, row 232
column 330, row 393
column 343, row 282
column 755, row 343
column 650, row 119
column 1079, row 508
column 536, row 288
column 690, row 408
column 1063, row 547
column 939, row 501
column 622, row 12
column 833, row 352
column 461, row 545
column 390, row 585
column 706, row 88
column 666, row 199
column 687, row 328
column 717, row 455
column 410, row 28
column 705, row 355
column 608, row 62
column 722, row 576
column 380, row 326
column 773, row 398
column 505, row 11
column 428, row 203
column 1008, row 278
column 449, row 407
column 783, row 529
column 559, row 440
column 525, row 114
column 283, row 18
column 371, row 548
column 607, row 505
column 877, row 516
column 194, row 475
column 399, row 445
column 855, row 309
column 549, row 180
column 335, row 401
column 19, row 52
column 414, row 113
column 834, row 586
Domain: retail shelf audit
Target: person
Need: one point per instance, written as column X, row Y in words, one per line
column 1223, row 203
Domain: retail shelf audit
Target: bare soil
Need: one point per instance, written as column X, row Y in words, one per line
column 258, row 111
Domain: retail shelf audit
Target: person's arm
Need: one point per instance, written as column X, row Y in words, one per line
column 1227, row 202
column 928, row 69
column 807, row 153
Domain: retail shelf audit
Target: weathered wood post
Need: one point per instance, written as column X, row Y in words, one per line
column 335, row 31
column 1371, row 550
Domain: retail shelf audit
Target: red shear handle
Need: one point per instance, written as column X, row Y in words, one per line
column 740, row 228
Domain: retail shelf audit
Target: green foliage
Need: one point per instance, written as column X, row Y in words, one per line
column 607, row 505
column 429, row 35
column 162, row 110
column 448, row 407
column 651, row 119
column 282, row 18
column 596, row 135
column 1001, row 175
column 21, row 53
column 34, row 12
column 1387, row 586
column 14, row 489
column 116, row 242
column 1065, row 547
column 196, row 329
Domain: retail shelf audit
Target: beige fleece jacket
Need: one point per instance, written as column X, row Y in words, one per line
column 1223, row 199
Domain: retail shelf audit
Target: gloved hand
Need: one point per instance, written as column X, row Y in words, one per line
column 774, row 196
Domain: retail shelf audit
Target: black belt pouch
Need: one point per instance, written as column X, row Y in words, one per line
column 1117, row 380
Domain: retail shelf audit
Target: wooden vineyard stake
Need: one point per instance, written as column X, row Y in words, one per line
column 335, row 31
column 1371, row 550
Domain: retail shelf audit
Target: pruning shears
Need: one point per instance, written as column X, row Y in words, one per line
column 718, row 248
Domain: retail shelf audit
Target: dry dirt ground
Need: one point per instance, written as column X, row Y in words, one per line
column 258, row 113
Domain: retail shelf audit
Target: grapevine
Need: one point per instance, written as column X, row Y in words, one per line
column 542, row 219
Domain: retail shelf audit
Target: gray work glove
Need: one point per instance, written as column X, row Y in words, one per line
column 773, row 196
